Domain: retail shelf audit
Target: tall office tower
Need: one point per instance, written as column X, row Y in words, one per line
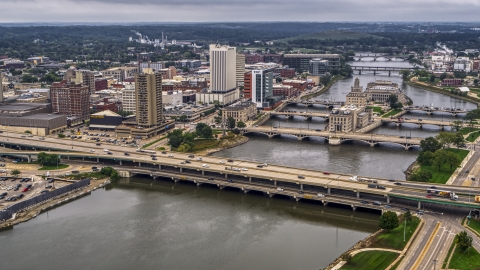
column 240, row 68
column 89, row 81
column 259, row 87
column 148, row 94
column 71, row 99
column 1, row 87
column 222, row 68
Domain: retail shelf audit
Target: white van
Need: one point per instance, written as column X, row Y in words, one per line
column 205, row 165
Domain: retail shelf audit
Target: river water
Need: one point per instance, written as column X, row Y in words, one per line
column 146, row 224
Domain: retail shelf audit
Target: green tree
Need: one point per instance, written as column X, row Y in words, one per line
column 408, row 216
column 445, row 139
column 107, row 171
column 47, row 159
column 204, row 131
column 175, row 138
column 421, row 176
column 28, row 132
column 183, row 148
column 458, row 139
column 440, row 158
column 432, row 78
column 325, row 79
column 393, row 99
column 452, row 160
column 241, row 124
column 61, row 135
column 457, row 125
column 463, row 240
column 405, row 74
column 388, row 221
column 425, row 157
column 473, row 114
column 430, row 144
column 183, row 118
column 443, row 76
column 27, row 78
column 231, row 122
column 15, row 173
column 114, row 176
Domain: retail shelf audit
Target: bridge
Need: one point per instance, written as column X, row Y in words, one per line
column 327, row 103
column 419, row 122
column 335, row 138
column 377, row 69
column 431, row 109
column 308, row 115
column 336, row 187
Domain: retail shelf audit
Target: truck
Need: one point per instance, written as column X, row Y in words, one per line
column 442, row 193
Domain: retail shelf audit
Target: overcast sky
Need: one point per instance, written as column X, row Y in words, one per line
column 243, row 10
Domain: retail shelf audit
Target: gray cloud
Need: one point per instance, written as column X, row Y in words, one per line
column 246, row 10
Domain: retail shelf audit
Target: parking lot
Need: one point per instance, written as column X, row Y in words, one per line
column 13, row 190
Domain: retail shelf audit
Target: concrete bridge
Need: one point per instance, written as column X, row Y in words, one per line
column 431, row 109
column 335, row 138
column 327, row 103
column 377, row 69
column 418, row 122
column 308, row 115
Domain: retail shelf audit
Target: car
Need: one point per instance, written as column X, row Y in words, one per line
column 433, row 187
column 280, row 189
column 405, row 209
column 23, row 136
column 473, row 178
column 191, row 156
column 260, row 166
column 109, row 153
column 230, row 180
column 244, row 169
column 205, row 165
column 300, row 192
column 4, row 194
column 377, row 203
column 230, row 160
column 170, row 155
column 301, row 177
column 25, row 189
column 199, row 159
column 222, row 161
column 429, row 196
column 30, row 135
column 49, row 186
column 126, row 154
column 320, row 195
column 154, row 158
column 2, row 171
column 188, row 161
column 210, row 178
column 163, row 152
column 364, row 202
column 401, row 137
column 381, row 187
column 106, row 150
column 397, row 183
column 467, row 171
column 327, row 173
column 43, row 191
column 183, row 162
column 391, row 180
column 317, row 130
column 2, row 197
column 52, row 180
column 387, row 206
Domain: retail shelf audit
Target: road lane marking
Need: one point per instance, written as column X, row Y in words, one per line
column 427, row 246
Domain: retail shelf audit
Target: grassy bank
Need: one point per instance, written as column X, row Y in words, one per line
column 466, row 130
column 465, row 260
column 54, row 167
column 473, row 136
column 375, row 109
column 444, row 174
column 475, row 225
column 371, row 260
column 394, row 238
column 391, row 113
column 332, row 81
column 443, row 91
column 154, row 142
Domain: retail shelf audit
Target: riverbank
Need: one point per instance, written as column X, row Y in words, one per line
column 224, row 144
column 32, row 212
column 442, row 91
column 325, row 88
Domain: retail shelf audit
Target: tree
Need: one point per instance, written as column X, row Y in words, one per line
column 241, row 124
column 27, row 78
column 61, row 135
column 457, row 125
column 408, row 216
column 325, row 79
column 440, row 158
column 175, row 138
column 425, row 157
column 445, row 139
column 28, row 132
column 443, row 76
column 452, row 160
column 430, row 144
column 47, row 159
column 278, row 80
column 421, row 176
column 405, row 74
column 463, row 240
column 231, row 122
column 458, row 139
column 388, row 221
column 15, row 173
column 183, row 147
column 393, row 99
column 183, row 118
column 473, row 114
column 432, row 78
column 204, row 131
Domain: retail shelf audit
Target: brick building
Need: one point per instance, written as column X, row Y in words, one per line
column 70, row 99
column 297, row 84
column 285, row 72
column 286, row 91
column 452, row 82
column 101, row 84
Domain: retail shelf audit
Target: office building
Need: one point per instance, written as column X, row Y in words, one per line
column 241, row 112
column 380, row 91
column 318, row 67
column 259, row 87
column 240, row 69
column 222, row 68
column 356, row 96
column 129, row 102
column 148, row 96
column 349, row 118
column 70, row 99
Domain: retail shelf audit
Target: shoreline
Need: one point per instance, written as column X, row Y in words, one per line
column 208, row 152
column 443, row 92
column 32, row 212
column 324, row 89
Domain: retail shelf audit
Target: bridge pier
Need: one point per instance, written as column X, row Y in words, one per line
column 358, row 194
column 372, row 144
column 120, row 162
column 181, row 169
column 297, row 199
column 374, row 72
column 454, row 114
column 83, row 158
column 325, row 203
column 360, row 72
column 354, row 207
column 328, row 190
column 301, row 186
column 442, row 128
column 221, row 187
column 159, row 167
column 388, row 198
column 139, row 164
column 245, row 191
column 419, row 205
column 399, row 124
column 98, row 160
column 274, row 183
column 203, row 172
column 198, row 184
column 419, row 126
column 389, row 71
column 226, row 175
column 29, row 158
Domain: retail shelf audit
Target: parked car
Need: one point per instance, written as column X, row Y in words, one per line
column 301, row 177
column 280, row 189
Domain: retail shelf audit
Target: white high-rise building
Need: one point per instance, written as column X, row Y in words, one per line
column 240, row 68
column 129, row 101
column 222, row 68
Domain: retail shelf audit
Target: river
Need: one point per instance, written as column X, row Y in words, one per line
column 146, row 224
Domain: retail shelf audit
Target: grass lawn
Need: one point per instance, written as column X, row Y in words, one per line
column 475, row 225
column 468, row 260
column 394, row 238
column 466, row 130
column 444, row 265
column 54, row 167
column 392, row 112
column 371, row 260
column 151, row 143
column 473, row 136
column 444, row 174
column 199, row 145
column 375, row 109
